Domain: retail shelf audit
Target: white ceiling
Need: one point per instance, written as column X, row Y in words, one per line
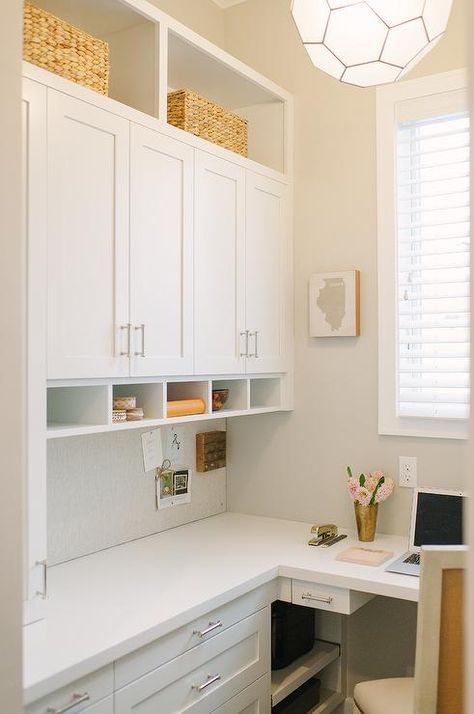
column 228, row 3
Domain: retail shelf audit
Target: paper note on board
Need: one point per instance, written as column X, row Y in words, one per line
column 152, row 449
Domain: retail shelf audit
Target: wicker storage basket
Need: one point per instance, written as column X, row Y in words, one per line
column 190, row 111
column 57, row 46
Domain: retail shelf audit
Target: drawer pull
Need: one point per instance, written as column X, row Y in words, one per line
column 76, row 699
column 212, row 626
column 44, row 592
column 211, row 678
column 318, row 598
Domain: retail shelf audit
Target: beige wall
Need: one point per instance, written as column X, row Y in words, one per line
column 293, row 465
column 11, row 353
column 202, row 16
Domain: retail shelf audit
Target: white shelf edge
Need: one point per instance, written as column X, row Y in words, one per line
column 286, row 681
column 60, row 431
column 118, row 381
column 329, row 700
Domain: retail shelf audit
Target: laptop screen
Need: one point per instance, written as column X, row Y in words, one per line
column 438, row 519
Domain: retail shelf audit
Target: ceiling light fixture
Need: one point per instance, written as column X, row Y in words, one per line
column 368, row 42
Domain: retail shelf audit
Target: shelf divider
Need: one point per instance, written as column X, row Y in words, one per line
column 287, row 680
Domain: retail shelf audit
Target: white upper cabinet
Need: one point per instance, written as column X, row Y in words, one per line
column 241, row 267
column 161, row 243
column 34, row 226
column 266, row 270
column 88, row 215
column 219, row 265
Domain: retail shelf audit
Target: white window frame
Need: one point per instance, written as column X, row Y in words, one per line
column 435, row 91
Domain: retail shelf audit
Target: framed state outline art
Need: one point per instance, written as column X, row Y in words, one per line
column 334, row 304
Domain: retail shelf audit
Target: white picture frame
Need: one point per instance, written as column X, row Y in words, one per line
column 334, row 304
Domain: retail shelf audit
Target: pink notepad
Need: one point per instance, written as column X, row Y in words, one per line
column 364, row 556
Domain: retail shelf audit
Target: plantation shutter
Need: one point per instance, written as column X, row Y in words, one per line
column 433, row 267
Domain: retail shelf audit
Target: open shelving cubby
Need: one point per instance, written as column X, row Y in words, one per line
column 191, row 66
column 133, row 41
column 265, row 393
column 151, row 54
column 149, row 397
column 194, row 389
column 238, row 399
column 286, row 681
column 78, row 406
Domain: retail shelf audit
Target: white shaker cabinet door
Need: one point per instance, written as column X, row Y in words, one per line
column 219, row 263
column 267, row 269
column 255, row 699
column 88, row 238
column 34, row 226
column 161, row 243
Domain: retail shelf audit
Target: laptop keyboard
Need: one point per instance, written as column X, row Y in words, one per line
column 413, row 559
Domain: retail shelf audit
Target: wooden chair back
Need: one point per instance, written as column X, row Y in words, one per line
column 439, row 667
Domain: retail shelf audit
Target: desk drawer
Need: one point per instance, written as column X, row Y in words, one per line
column 105, row 706
column 95, row 687
column 179, row 641
column 205, row 677
column 255, row 699
column 327, row 597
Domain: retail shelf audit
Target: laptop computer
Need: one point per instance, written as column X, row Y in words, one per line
column 436, row 519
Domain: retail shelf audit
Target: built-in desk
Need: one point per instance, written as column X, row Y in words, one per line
column 107, row 605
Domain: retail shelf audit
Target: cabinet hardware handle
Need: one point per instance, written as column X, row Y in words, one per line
column 76, row 699
column 43, row 593
column 245, row 334
column 212, row 626
column 254, row 334
column 127, row 327
column 210, row 680
column 142, row 328
column 318, row 598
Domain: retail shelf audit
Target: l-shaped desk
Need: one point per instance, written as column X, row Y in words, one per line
column 104, row 606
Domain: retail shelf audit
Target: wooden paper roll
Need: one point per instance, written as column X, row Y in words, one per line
column 185, row 407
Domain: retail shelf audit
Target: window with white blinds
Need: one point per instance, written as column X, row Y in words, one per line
column 423, row 251
column 432, row 176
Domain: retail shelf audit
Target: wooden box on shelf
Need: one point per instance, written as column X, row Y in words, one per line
column 210, row 451
column 55, row 45
column 194, row 113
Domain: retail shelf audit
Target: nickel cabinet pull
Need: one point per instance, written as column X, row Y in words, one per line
column 255, row 354
column 318, row 598
column 76, row 699
column 43, row 593
column 211, row 678
column 127, row 327
column 212, row 626
column 245, row 334
column 142, row 329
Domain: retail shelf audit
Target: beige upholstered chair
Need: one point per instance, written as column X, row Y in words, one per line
column 438, row 685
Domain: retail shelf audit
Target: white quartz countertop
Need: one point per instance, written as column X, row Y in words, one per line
column 108, row 604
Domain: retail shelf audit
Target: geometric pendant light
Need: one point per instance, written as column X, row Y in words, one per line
column 367, row 42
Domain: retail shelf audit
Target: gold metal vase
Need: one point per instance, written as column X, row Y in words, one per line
column 366, row 519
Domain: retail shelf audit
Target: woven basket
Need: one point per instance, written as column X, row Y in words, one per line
column 191, row 112
column 55, row 45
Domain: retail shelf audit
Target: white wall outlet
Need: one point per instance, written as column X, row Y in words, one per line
column 407, row 466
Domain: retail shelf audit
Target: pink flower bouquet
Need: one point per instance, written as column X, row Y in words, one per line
column 369, row 489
